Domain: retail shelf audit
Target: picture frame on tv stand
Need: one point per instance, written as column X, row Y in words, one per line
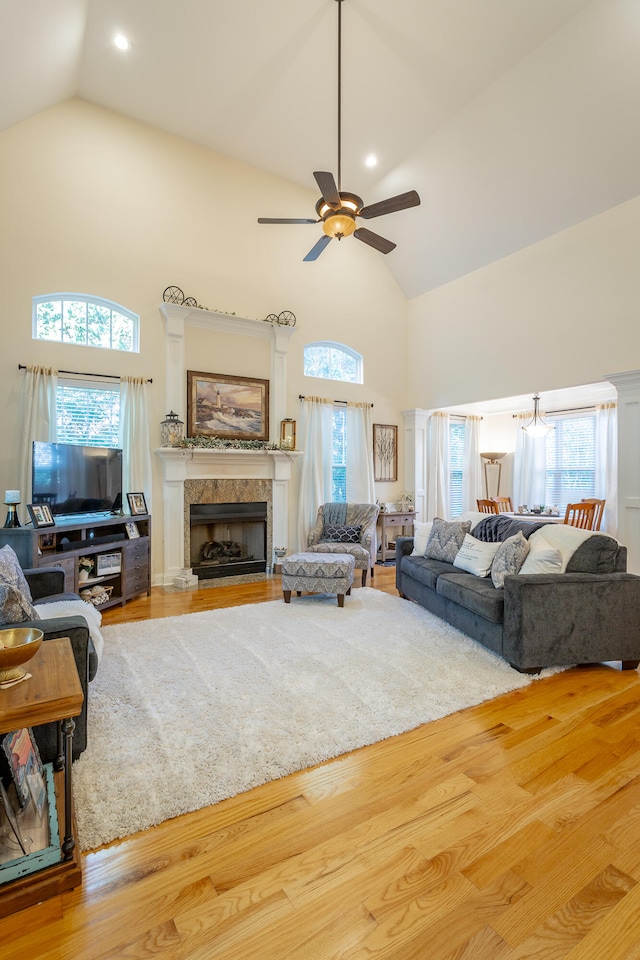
column 40, row 514
column 137, row 504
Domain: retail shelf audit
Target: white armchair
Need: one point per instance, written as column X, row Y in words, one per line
column 325, row 537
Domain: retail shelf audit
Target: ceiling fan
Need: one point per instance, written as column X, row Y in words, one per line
column 336, row 209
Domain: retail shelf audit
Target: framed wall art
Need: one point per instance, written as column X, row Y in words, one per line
column 227, row 407
column 385, row 452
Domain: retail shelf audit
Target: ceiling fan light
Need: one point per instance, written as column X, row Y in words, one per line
column 339, row 225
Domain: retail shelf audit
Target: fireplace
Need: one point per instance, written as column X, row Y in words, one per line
column 228, row 539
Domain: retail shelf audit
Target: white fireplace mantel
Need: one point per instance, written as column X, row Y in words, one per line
column 181, row 464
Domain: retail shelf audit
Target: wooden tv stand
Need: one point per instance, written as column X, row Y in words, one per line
column 126, row 562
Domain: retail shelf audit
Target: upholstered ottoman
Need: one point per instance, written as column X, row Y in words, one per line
column 318, row 573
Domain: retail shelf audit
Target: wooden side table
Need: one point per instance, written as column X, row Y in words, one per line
column 393, row 525
column 53, row 693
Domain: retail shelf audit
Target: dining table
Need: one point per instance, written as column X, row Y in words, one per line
column 535, row 517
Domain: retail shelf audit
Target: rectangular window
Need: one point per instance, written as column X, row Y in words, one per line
column 456, row 464
column 571, row 460
column 88, row 414
column 339, row 456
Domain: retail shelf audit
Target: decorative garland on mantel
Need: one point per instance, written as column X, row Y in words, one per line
column 216, row 443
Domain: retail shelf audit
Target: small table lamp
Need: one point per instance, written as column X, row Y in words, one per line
column 12, row 499
column 492, row 459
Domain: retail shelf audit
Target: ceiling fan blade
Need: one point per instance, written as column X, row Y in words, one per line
column 316, row 250
column 328, row 189
column 401, row 202
column 284, row 220
column 374, row 240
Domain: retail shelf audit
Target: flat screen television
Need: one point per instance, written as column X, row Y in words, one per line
column 77, row 480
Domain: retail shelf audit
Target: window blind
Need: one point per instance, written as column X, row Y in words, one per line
column 456, row 464
column 571, row 459
column 88, row 414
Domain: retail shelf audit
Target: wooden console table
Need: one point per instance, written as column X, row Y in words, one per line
column 395, row 524
column 53, row 693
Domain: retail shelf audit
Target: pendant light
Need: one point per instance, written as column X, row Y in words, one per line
column 537, row 426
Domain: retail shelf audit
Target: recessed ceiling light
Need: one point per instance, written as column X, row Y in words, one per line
column 372, row 160
column 121, row 41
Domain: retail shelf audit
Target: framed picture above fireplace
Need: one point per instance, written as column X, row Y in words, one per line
column 227, row 407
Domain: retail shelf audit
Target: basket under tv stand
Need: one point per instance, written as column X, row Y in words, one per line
column 126, row 561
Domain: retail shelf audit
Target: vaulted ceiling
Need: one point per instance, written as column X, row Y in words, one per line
column 514, row 119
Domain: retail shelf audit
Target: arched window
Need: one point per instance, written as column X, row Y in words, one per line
column 85, row 320
column 332, row 361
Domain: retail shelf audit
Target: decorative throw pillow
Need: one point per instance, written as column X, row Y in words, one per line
column 341, row 534
column 14, row 606
column 446, row 538
column 509, row 558
column 11, row 571
column 542, row 560
column 476, row 557
column 421, row 533
column 562, row 537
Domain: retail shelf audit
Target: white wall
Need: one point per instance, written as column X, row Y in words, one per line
column 96, row 203
column 562, row 312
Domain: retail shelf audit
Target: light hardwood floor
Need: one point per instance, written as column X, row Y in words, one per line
column 507, row 831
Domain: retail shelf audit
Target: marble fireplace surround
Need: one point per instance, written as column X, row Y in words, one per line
column 227, row 491
column 198, row 475
column 222, row 476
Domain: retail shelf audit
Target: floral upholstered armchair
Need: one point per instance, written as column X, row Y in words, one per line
column 347, row 528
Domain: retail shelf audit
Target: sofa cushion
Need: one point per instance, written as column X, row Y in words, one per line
column 341, row 533
column 476, row 594
column 563, row 537
column 542, row 559
column 424, row 570
column 446, row 539
column 509, row 558
column 421, row 533
column 475, row 556
column 595, row 555
column 14, row 606
column 11, row 572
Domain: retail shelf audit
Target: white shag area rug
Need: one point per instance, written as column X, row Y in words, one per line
column 189, row 710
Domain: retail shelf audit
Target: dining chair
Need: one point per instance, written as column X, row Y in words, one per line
column 503, row 504
column 597, row 513
column 487, row 506
column 580, row 515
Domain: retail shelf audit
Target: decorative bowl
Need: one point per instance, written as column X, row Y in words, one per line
column 17, row 646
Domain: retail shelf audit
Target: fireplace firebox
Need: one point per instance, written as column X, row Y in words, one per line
column 228, row 539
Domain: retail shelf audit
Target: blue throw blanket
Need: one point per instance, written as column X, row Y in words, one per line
column 334, row 513
column 495, row 529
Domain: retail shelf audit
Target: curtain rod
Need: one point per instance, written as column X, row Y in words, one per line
column 554, row 413
column 75, row 373
column 326, row 400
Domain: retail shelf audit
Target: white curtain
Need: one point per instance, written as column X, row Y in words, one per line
column 38, row 419
column 438, row 499
column 134, row 438
column 360, row 485
column 316, row 437
column 607, row 464
column 472, row 470
column 529, row 465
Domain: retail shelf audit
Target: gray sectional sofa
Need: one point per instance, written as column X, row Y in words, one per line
column 590, row 613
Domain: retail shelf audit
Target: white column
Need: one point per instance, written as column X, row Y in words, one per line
column 175, row 368
column 628, row 386
column 175, row 474
column 416, row 424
